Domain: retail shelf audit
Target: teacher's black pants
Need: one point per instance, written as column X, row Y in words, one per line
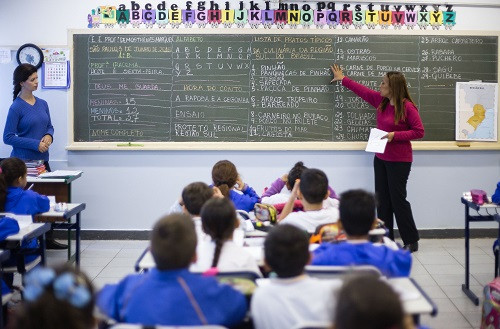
column 390, row 186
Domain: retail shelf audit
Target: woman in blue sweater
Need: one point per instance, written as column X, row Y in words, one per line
column 28, row 127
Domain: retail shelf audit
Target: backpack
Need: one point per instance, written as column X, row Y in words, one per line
column 327, row 233
column 265, row 212
column 490, row 318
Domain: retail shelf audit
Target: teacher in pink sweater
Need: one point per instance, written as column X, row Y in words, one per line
column 398, row 115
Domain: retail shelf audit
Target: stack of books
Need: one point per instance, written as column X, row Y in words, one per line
column 35, row 167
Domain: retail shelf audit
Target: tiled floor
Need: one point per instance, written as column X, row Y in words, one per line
column 438, row 267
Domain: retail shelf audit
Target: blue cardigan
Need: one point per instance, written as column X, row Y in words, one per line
column 25, row 126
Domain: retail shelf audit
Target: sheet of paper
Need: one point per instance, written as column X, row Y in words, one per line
column 60, row 173
column 375, row 142
column 5, row 55
column 22, row 220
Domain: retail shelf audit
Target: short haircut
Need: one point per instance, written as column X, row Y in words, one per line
column 295, row 174
column 195, row 195
column 286, row 249
column 369, row 303
column 173, row 242
column 313, row 185
column 357, row 211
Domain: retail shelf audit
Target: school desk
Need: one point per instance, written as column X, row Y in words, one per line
column 62, row 220
column 59, row 187
column 485, row 213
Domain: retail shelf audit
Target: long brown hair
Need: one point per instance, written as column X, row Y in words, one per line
column 224, row 176
column 400, row 94
column 218, row 219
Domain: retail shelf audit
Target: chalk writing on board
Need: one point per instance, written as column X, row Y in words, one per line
column 262, row 88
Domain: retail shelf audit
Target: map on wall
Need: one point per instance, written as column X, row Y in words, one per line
column 476, row 107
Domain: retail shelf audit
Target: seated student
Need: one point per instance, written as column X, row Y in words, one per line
column 169, row 294
column 218, row 218
column 279, row 191
column 56, row 298
column 495, row 198
column 15, row 199
column 311, row 189
column 292, row 297
column 357, row 217
column 193, row 197
column 226, row 178
column 369, row 303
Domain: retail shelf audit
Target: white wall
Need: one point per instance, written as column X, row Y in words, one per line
column 129, row 190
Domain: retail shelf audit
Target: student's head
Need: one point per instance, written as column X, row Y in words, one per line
column 13, row 173
column 173, row 242
column 394, row 87
column 357, row 212
column 24, row 74
column 224, row 176
column 286, row 250
column 294, row 174
column 218, row 218
column 56, row 298
column 195, row 195
column 369, row 303
column 313, row 185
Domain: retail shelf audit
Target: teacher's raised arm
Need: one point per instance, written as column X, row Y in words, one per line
column 398, row 115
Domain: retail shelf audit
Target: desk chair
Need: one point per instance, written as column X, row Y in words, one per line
column 139, row 326
column 333, row 271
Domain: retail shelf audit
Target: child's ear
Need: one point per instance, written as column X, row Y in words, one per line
column 195, row 258
column 236, row 223
column 374, row 224
column 266, row 266
column 327, row 195
column 339, row 225
column 299, row 194
column 310, row 259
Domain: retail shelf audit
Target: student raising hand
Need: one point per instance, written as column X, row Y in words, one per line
column 338, row 75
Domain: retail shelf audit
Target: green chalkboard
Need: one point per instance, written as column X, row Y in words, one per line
column 262, row 87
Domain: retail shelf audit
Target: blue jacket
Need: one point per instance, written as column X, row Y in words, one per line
column 392, row 263
column 8, row 226
column 157, row 298
column 25, row 126
column 245, row 201
column 496, row 196
column 25, row 202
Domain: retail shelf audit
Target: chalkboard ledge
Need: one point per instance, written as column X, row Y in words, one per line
column 269, row 146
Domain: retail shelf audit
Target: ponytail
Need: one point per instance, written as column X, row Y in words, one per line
column 17, row 90
column 218, row 247
column 224, row 189
column 218, row 219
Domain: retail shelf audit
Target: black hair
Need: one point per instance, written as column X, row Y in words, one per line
column 48, row 311
column 173, row 242
column 357, row 211
column 369, row 303
column 21, row 74
column 12, row 169
column 313, row 185
column 286, row 250
column 195, row 195
column 218, row 219
column 294, row 174
column 224, row 176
